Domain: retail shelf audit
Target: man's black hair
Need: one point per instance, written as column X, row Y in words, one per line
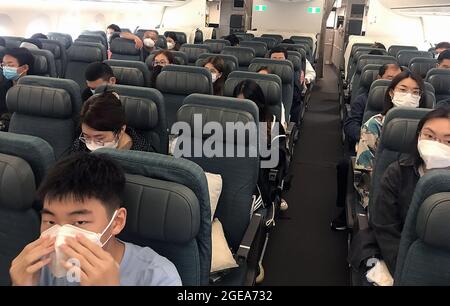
column 279, row 50
column 39, row 36
column 445, row 55
column 98, row 70
column 23, row 56
column 83, row 176
column 385, row 67
column 443, row 45
column 376, row 52
column 115, row 27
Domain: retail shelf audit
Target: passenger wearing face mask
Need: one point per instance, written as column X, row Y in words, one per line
column 81, row 217
column 16, row 63
column 388, row 212
column 160, row 59
column 97, row 74
column 103, row 125
column 149, row 39
column 405, row 90
column 172, row 42
column 216, row 66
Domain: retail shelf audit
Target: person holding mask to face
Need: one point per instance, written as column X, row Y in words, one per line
column 161, row 59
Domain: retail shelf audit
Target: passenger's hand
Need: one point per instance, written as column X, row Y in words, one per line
column 138, row 43
column 25, row 268
column 97, row 267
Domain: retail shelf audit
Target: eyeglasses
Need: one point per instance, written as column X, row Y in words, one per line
column 95, row 141
column 430, row 136
column 3, row 65
column 160, row 63
column 414, row 92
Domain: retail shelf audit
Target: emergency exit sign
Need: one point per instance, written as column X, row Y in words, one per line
column 260, row 8
column 314, row 10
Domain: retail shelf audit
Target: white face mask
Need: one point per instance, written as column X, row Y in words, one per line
column 405, row 99
column 214, row 76
column 67, row 230
column 170, row 45
column 92, row 146
column 148, row 42
column 435, row 155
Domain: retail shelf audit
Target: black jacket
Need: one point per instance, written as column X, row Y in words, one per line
column 388, row 211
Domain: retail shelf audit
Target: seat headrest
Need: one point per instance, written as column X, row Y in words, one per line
column 65, row 39
column 283, row 68
column 40, row 65
column 84, row 53
column 124, row 47
column 405, row 56
column 277, row 37
column 90, row 38
column 216, row 45
column 129, row 76
column 270, row 84
column 259, row 47
column 374, row 59
column 142, row 105
column 39, row 101
column 394, row 49
column 17, row 186
column 270, row 41
column 400, row 127
column 184, row 80
column 432, row 224
column 440, row 79
column 421, row 66
column 296, row 59
column 218, row 109
column 365, row 51
column 244, row 54
column 368, row 75
column 53, row 46
column 161, row 210
column 161, row 42
column 194, row 50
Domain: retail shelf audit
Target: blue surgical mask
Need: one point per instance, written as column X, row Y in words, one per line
column 10, row 73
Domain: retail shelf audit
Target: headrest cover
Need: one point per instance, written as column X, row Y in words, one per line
column 141, row 113
column 374, row 59
column 440, row 79
column 17, row 186
column 368, row 75
column 53, row 46
column 432, row 225
column 216, row 45
column 184, row 80
column 39, row 101
column 193, row 51
column 84, row 53
column 161, row 210
column 129, row 76
column 259, row 47
column 283, row 68
column 40, row 65
column 244, row 54
column 124, row 47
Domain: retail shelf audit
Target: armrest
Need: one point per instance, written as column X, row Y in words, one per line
column 290, row 128
column 249, row 237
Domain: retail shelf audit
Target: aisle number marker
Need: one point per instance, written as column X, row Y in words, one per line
column 260, row 8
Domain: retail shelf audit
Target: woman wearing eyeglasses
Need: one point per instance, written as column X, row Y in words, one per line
column 160, row 60
column 388, row 212
column 103, row 125
column 405, row 90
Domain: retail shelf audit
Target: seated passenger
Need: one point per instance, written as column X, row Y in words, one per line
column 233, row 39
column 97, row 74
column 172, row 41
column 81, row 217
column 352, row 124
column 216, row 66
column 16, row 63
column 378, row 45
column 114, row 31
column 441, row 47
column 103, row 125
column 405, row 90
column 390, row 209
column 161, row 59
column 444, row 60
column 31, row 44
column 149, row 39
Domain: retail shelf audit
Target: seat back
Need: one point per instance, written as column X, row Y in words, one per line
column 198, row 36
column 269, row 41
column 20, row 222
column 42, row 112
column 377, row 94
column 79, row 56
column 161, row 42
column 277, row 37
column 181, row 36
column 44, row 63
column 303, row 39
column 270, row 84
column 404, row 57
column 285, row 70
column 102, row 34
column 368, row 75
column 12, row 41
column 168, row 210
column 216, row 45
column 131, row 73
column 91, row 38
column 243, row 54
column 440, row 79
column 244, row 36
column 231, row 62
column 124, row 49
column 193, row 51
column 259, row 47
column 239, row 174
column 59, row 54
column 298, row 60
column 424, row 253
column 398, row 137
column 421, row 65
column 394, row 49
column 176, row 82
column 145, row 112
column 65, row 39
column 358, row 53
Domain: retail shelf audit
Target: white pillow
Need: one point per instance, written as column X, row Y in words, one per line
column 221, row 255
column 215, row 189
